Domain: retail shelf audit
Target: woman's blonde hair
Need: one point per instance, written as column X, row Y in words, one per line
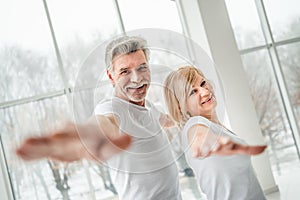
column 176, row 96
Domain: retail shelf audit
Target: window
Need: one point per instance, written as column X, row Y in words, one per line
column 270, row 113
column 28, row 62
column 40, row 64
column 284, row 17
column 272, row 78
column 138, row 14
column 290, row 59
column 33, row 99
column 33, row 181
column 79, row 27
column 245, row 23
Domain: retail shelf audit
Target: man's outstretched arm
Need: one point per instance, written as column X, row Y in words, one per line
column 93, row 141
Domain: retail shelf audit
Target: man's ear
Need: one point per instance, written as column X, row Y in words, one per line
column 110, row 76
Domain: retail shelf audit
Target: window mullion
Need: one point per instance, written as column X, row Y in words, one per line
column 278, row 74
column 5, row 182
column 120, row 19
column 58, row 54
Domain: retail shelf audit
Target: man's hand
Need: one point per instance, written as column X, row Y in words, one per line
column 73, row 142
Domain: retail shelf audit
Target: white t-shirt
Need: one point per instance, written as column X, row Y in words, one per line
column 223, row 177
column 147, row 170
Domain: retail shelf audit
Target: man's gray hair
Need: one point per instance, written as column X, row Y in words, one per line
column 125, row 45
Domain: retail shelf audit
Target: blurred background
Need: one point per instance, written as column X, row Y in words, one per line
column 44, row 42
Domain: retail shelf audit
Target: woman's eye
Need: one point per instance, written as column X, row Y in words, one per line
column 193, row 92
column 203, row 83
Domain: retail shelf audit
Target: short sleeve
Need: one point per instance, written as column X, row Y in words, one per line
column 197, row 120
column 107, row 106
column 213, row 128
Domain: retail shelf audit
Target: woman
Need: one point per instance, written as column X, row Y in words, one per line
column 192, row 105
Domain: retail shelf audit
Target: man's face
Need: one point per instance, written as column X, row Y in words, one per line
column 131, row 77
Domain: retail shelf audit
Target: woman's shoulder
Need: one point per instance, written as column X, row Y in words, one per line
column 196, row 120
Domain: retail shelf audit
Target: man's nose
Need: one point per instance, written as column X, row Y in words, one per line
column 135, row 77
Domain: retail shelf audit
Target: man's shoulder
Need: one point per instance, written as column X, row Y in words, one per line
column 103, row 102
column 109, row 105
column 103, row 106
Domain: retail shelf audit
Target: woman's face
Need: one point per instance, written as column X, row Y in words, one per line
column 201, row 100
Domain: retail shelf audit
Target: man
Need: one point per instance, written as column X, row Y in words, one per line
column 146, row 170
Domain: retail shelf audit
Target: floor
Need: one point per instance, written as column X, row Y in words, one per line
column 289, row 186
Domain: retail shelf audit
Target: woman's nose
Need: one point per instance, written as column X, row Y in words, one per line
column 203, row 91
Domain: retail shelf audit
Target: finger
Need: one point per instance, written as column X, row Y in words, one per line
column 59, row 146
column 34, row 148
column 255, row 150
column 249, row 150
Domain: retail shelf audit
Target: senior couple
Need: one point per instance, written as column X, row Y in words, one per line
column 127, row 131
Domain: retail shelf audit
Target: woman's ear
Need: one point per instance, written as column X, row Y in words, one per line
column 188, row 114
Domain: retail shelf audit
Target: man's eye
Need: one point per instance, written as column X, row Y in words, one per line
column 203, row 83
column 143, row 67
column 124, row 72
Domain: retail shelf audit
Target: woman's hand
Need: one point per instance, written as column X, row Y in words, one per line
column 203, row 143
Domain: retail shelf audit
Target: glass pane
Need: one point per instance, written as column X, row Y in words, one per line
column 284, row 18
column 245, row 22
column 290, row 58
column 44, row 179
column 79, row 27
column 31, row 180
column 271, row 116
column 138, row 14
column 28, row 62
